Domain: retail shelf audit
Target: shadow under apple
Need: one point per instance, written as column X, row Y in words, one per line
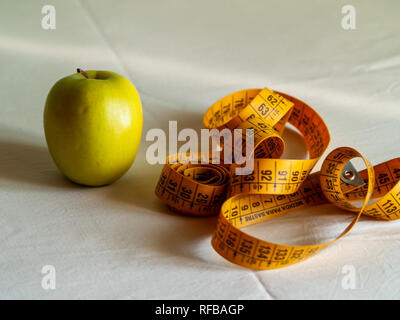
column 30, row 164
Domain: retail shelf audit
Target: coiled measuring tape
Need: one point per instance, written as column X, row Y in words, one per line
column 276, row 186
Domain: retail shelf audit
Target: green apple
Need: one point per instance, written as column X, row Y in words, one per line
column 93, row 124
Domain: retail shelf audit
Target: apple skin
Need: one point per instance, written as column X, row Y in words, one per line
column 93, row 126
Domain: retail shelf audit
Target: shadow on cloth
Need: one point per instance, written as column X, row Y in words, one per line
column 28, row 163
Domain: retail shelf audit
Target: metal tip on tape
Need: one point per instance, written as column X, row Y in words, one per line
column 350, row 175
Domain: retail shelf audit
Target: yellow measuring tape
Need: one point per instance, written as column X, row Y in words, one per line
column 276, row 186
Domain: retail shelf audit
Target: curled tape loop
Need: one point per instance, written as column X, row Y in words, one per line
column 276, row 186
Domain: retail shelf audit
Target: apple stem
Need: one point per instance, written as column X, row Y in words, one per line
column 79, row 70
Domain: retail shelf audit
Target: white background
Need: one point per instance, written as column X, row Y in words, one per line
column 120, row 241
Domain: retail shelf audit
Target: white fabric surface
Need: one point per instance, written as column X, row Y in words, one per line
column 120, row 242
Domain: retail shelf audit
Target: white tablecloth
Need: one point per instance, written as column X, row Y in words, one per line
column 120, row 241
